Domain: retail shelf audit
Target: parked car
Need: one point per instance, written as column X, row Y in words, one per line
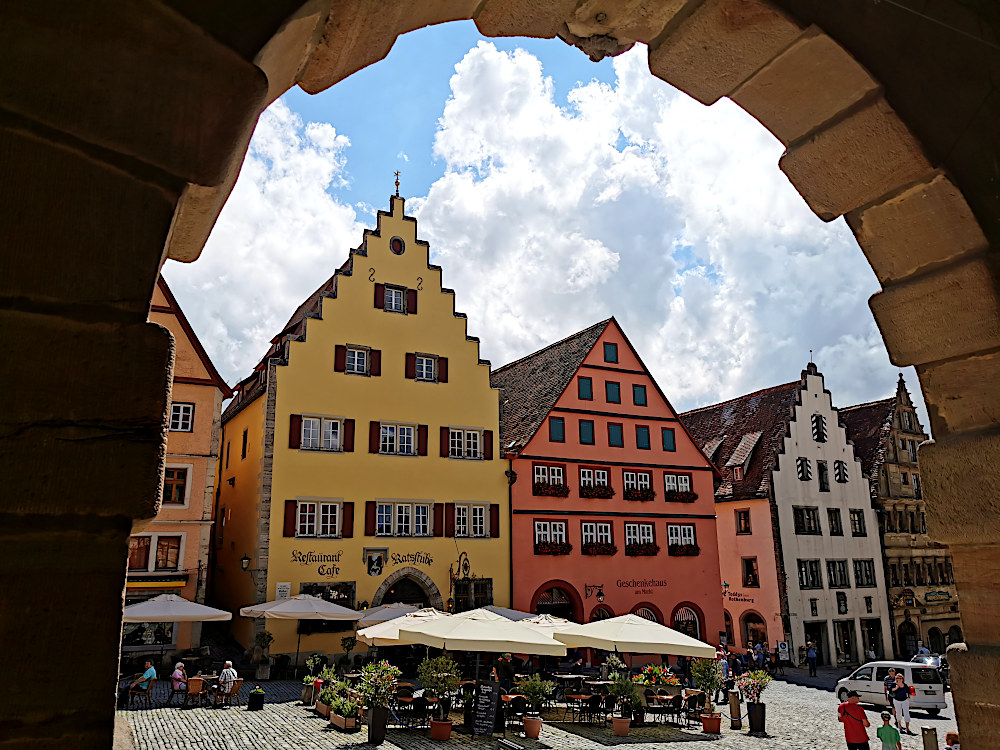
column 926, row 684
column 939, row 662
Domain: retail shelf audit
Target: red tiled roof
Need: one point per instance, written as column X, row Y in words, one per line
column 734, row 423
column 868, row 428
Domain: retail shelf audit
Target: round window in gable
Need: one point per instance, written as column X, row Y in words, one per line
column 396, row 245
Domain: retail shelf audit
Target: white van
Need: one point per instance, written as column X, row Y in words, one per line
column 926, row 684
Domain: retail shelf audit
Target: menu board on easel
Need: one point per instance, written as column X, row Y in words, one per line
column 485, row 716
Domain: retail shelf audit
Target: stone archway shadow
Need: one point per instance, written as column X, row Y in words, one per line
column 425, row 582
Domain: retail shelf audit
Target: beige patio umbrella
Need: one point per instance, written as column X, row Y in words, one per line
column 547, row 624
column 383, row 612
column 173, row 608
column 387, row 633
column 478, row 632
column 300, row 607
column 635, row 635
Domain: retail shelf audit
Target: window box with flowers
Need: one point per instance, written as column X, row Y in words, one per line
column 546, row 489
column 640, row 494
column 642, row 549
column 599, row 548
column 683, row 550
column 553, row 548
column 602, row 492
column 680, row 496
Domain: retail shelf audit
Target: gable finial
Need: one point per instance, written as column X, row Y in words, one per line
column 397, row 182
column 811, row 357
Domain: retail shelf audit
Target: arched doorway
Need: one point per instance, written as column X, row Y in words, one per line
column 935, row 640
column 601, row 612
column 955, row 635
column 753, row 629
column 730, row 635
column 907, row 639
column 408, row 586
column 406, row 591
column 556, row 602
column 686, row 620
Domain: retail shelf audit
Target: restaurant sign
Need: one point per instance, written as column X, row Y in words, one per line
column 737, row 596
column 937, row 596
column 327, row 563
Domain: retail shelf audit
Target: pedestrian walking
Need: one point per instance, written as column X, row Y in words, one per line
column 855, row 722
column 889, row 734
column 811, row 658
column 725, row 685
column 901, row 703
column 888, row 685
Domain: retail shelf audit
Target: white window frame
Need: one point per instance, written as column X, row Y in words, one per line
column 586, row 477
column 426, row 368
column 394, row 437
column 601, row 478
column 596, row 532
column 404, row 520
column 465, row 442
column 462, row 520
column 681, row 533
column 395, row 300
column 306, row 517
column 550, row 531
column 327, row 433
column 676, row 482
column 422, row 525
column 638, row 533
column 182, row 417
column 637, row 480
column 329, row 520
column 478, row 521
column 153, row 543
column 358, row 361
column 380, row 519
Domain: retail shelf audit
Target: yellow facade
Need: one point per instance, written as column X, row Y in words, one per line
column 308, row 385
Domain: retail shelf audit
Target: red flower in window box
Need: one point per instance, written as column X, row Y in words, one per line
column 683, row 550
column 680, row 496
column 599, row 548
column 553, row 548
column 550, row 490
column 643, row 496
column 644, row 549
column 598, row 491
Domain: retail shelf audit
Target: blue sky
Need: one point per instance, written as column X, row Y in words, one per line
column 554, row 192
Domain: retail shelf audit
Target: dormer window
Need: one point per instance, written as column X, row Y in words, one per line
column 737, row 473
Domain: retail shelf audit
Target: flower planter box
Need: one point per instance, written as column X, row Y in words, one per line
column 345, row 723
column 598, row 548
column 255, row 702
column 683, row 550
column 323, row 709
column 550, row 490
column 679, row 496
column 553, row 548
column 599, row 492
column 642, row 496
column 647, row 549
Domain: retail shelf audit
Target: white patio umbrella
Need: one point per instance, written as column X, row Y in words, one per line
column 173, row 608
column 387, row 633
column 300, row 607
column 481, row 614
column 385, row 612
column 478, row 632
column 547, row 624
column 636, row 635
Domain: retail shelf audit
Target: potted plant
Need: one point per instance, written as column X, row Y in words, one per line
column 377, row 687
column 751, row 685
column 658, row 676
column 598, row 491
column 708, row 677
column 260, row 655
column 623, row 690
column 553, row 548
column 344, row 660
column 344, row 713
column 439, row 676
column 255, row 701
column 324, row 701
column 546, row 489
column 536, row 691
column 308, row 689
column 642, row 495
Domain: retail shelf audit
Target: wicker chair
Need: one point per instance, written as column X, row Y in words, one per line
column 142, row 693
column 226, row 697
column 196, row 688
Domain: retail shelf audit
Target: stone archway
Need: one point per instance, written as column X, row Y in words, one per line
column 423, row 580
column 126, row 128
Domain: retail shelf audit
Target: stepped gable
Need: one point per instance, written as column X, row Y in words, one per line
column 735, row 423
column 531, row 386
column 868, row 428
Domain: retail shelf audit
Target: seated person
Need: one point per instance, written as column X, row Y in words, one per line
column 179, row 678
column 143, row 683
column 226, row 680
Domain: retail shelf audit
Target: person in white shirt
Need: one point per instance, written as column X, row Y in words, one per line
column 226, row 680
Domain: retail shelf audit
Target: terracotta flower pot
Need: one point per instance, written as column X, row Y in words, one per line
column 532, row 726
column 711, row 723
column 621, row 726
column 440, row 730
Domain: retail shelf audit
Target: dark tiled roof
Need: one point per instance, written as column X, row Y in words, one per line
column 532, row 385
column 735, row 422
column 868, row 428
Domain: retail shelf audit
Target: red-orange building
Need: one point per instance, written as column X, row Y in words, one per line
column 612, row 502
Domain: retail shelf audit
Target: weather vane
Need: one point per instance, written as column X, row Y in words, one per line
column 397, row 182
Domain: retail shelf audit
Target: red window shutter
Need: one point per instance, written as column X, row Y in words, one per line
column 380, row 296
column 347, row 522
column 370, row 518
column 488, row 445
column 349, row 435
column 295, row 431
column 411, row 301
column 376, row 359
column 445, row 434
column 449, row 519
column 339, row 358
column 291, row 517
column 495, row 521
column 421, row 440
column 442, row 369
column 374, row 431
column 411, row 366
column 438, row 519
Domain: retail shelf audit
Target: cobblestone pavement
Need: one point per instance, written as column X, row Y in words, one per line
column 798, row 718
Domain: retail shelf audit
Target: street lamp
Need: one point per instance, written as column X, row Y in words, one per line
column 245, row 563
column 450, row 604
column 597, row 591
column 725, row 588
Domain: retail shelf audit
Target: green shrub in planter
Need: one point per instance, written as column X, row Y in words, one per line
column 440, row 677
column 536, row 691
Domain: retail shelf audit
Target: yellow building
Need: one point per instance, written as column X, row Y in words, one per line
column 360, row 458
column 171, row 554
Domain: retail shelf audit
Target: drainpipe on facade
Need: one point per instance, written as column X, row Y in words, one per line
column 511, row 478
column 210, row 563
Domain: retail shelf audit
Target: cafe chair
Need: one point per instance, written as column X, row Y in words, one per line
column 592, row 710
column 692, row 711
column 175, row 691
column 419, row 713
column 675, row 708
column 226, row 697
column 142, row 693
column 196, row 688
column 515, row 710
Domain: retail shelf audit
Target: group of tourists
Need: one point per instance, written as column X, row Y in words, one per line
column 856, row 723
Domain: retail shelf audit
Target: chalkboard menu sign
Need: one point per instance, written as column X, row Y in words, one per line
column 487, row 700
